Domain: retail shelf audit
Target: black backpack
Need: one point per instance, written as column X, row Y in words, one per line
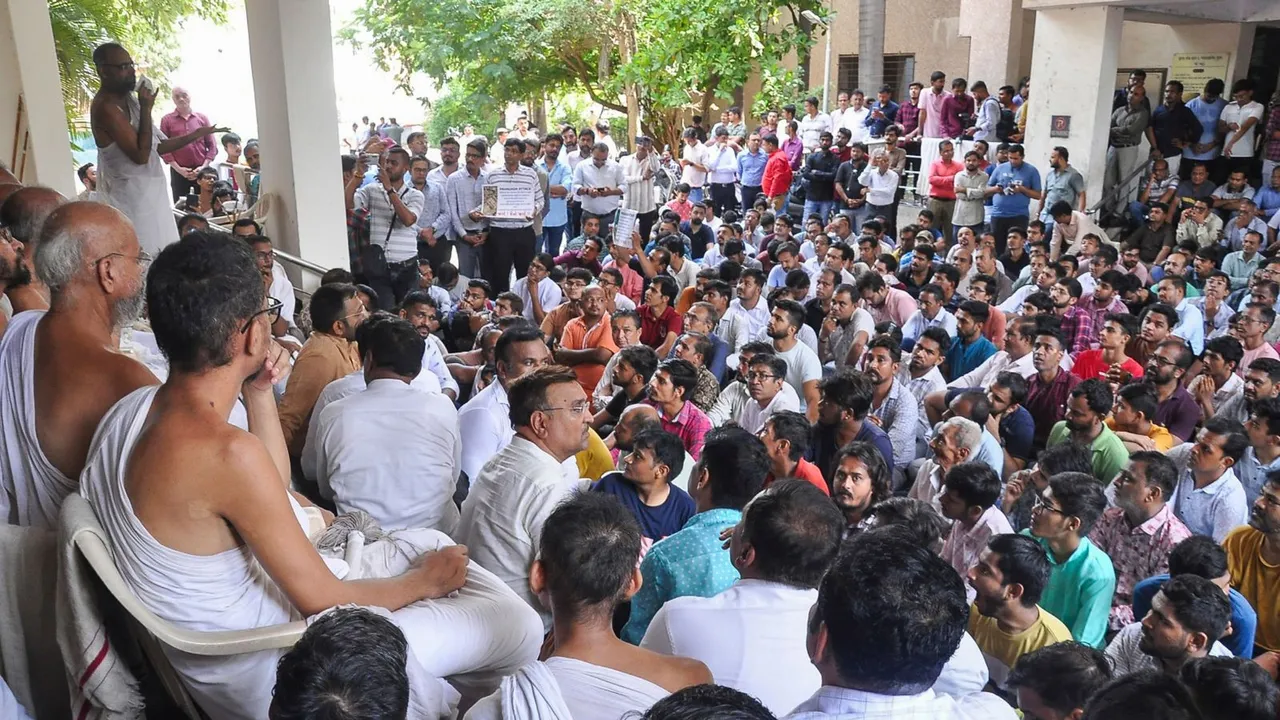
column 1005, row 126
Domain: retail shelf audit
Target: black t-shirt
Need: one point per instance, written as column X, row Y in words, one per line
column 620, row 402
column 813, row 314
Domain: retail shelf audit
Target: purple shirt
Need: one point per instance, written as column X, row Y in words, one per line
column 794, row 149
column 1179, row 413
column 197, row 154
column 908, row 117
column 952, row 108
column 1047, row 403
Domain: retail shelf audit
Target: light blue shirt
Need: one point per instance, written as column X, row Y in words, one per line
column 918, row 323
column 435, row 214
column 1233, row 234
column 1240, row 270
column 1016, row 204
column 751, row 167
column 1267, row 198
column 1215, row 509
column 990, row 452
column 692, row 562
column 1253, row 474
column 1190, row 326
column 1207, row 113
column 557, row 213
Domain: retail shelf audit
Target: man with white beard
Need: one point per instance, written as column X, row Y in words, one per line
column 61, row 370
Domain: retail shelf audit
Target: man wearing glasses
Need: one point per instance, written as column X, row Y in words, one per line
column 131, row 173
column 463, row 195
column 50, row 409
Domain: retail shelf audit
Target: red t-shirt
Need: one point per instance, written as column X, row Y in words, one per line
column 1089, row 365
column 808, row 472
column 653, row 331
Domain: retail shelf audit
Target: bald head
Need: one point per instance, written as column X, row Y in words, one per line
column 25, row 211
column 8, row 185
column 634, row 420
column 91, row 247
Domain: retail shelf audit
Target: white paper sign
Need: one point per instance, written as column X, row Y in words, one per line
column 507, row 201
column 624, row 225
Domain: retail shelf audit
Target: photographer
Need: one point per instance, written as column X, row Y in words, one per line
column 390, row 260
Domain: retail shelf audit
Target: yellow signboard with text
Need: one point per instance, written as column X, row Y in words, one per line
column 1193, row 70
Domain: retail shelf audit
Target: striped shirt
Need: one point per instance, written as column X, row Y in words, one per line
column 521, row 177
column 462, row 194
column 435, row 214
column 640, row 193
column 402, row 244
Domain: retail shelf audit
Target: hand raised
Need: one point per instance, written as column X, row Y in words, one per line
column 274, row 369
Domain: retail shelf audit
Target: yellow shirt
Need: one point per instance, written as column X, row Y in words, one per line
column 1257, row 581
column 1001, row 650
column 595, row 461
column 1159, row 435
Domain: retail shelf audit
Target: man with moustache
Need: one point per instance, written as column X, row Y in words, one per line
column 1261, row 381
column 91, row 261
column 131, row 174
column 1253, row 558
column 1176, row 409
column 22, row 215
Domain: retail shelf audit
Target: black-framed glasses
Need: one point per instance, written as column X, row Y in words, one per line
column 272, row 311
column 576, row 408
column 1040, row 504
column 761, row 376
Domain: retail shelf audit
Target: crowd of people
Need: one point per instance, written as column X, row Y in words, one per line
column 773, row 454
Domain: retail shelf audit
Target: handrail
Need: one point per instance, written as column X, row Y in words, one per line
column 1110, row 195
column 287, row 258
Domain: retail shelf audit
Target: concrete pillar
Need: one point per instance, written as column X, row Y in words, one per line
column 1073, row 74
column 29, row 69
column 291, row 54
column 995, row 29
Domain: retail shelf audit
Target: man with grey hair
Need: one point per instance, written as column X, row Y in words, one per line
column 956, row 440
column 88, row 256
column 22, row 215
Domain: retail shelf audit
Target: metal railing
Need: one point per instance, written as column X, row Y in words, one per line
column 310, row 269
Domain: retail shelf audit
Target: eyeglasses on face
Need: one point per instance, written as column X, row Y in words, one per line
column 1041, row 505
column 577, row 408
column 272, row 311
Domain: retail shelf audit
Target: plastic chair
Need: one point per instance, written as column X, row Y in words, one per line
column 92, row 543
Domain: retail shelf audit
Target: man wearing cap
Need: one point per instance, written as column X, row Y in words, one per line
column 638, row 171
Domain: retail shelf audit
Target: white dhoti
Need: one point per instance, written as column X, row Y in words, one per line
column 565, row 689
column 474, row 637
column 141, row 192
column 31, row 488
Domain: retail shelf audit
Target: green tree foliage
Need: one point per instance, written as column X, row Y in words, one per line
column 458, row 108
column 145, row 27
column 673, row 55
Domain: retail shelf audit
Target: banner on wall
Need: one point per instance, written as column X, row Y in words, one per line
column 1193, row 70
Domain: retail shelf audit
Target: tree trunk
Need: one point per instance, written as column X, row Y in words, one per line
column 871, row 45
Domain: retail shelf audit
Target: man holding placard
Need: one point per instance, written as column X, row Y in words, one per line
column 511, row 198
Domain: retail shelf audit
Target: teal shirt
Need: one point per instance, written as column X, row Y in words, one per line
column 1109, row 453
column 692, row 562
column 1080, row 590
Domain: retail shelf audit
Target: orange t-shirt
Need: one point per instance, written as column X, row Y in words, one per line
column 808, row 472
column 578, row 337
column 685, row 300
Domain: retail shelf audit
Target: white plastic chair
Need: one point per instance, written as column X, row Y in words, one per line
column 92, row 543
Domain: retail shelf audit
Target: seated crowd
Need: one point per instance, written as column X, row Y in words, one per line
column 758, row 471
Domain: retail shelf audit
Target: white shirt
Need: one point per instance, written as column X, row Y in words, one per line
column 548, row 293
column 722, row 164
column 433, row 365
column 282, row 290
column 504, row 512
column 640, row 194
column 751, row 637
column 811, row 129
column 695, row 153
column 752, row 417
column 687, row 275
column 855, row 120
column 803, row 366
column 1234, row 113
column 392, row 451
column 985, row 374
column 1127, row 658
column 609, row 175
column 881, row 187
column 847, row 704
column 757, row 317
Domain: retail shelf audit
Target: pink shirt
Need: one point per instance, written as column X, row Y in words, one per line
column 1265, row 350
column 632, row 283
column 1136, row 553
column 932, row 105
column 942, row 179
column 898, row 307
column 197, row 154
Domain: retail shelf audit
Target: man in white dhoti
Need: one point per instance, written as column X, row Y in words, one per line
column 889, row 615
column 517, row 489
column 22, row 216
column 204, row 529
column 131, row 174
column 391, row 449
column 751, row 636
column 61, row 370
column 586, row 567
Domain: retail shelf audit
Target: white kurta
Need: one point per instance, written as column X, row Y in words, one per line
column 564, row 689
column 393, row 452
column 141, row 192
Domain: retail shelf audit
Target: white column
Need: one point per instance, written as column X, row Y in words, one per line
column 29, row 68
column 291, row 54
column 1073, row 70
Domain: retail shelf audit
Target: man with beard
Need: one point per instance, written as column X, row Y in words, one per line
column 893, row 408
column 842, row 418
column 1006, row 619
column 955, row 441
column 1087, row 407
column 860, row 480
column 1049, row 388
column 1253, row 559
column 22, row 215
column 90, row 260
column 13, row 271
column 1209, row 498
column 1176, row 409
column 424, row 315
column 846, row 328
column 1140, row 531
column 820, row 168
column 1187, row 617
column 131, row 174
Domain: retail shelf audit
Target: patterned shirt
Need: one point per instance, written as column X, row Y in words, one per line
column 690, row 563
column 691, row 425
column 899, row 418
column 1077, row 329
column 963, row 547
column 908, row 117
column 1098, row 314
column 1136, row 553
column 707, row 391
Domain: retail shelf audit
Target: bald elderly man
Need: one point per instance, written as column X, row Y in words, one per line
column 22, row 215
column 61, row 370
column 636, row 419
